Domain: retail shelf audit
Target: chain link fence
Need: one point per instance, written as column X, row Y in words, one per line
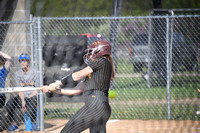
column 157, row 60
column 17, row 38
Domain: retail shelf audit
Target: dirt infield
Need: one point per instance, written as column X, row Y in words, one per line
column 130, row 126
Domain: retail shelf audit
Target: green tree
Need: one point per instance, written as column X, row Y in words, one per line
column 74, row 8
column 71, row 8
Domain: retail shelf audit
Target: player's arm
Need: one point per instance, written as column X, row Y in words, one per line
column 80, row 87
column 68, row 91
column 7, row 64
column 21, row 95
column 34, row 93
column 74, row 77
column 63, row 91
column 8, row 60
column 82, row 73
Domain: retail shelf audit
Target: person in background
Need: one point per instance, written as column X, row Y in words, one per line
column 25, row 77
column 97, row 76
column 6, row 60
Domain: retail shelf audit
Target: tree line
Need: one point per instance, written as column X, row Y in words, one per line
column 82, row 8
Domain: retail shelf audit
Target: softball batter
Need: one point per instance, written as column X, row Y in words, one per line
column 98, row 74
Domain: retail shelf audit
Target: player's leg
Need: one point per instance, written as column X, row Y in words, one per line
column 100, row 128
column 4, row 121
column 31, row 105
column 14, row 113
column 2, row 100
column 100, row 125
column 11, row 106
column 75, row 121
column 95, row 112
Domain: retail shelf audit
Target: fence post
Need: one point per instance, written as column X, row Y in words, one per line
column 168, row 66
column 41, row 77
column 31, row 36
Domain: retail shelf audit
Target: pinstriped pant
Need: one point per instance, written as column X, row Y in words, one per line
column 93, row 115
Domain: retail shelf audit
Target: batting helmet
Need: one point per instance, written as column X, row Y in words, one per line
column 97, row 49
column 24, row 57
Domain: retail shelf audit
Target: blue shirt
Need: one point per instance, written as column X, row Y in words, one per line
column 3, row 75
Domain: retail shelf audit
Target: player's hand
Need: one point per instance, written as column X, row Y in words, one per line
column 7, row 57
column 54, row 86
column 45, row 88
column 23, row 106
column 24, row 109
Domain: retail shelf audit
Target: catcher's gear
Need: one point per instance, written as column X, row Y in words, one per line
column 54, row 86
column 97, row 49
column 24, row 57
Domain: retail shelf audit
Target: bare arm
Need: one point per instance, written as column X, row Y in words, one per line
column 7, row 57
column 8, row 60
column 34, row 93
column 21, row 95
column 68, row 91
column 63, row 91
column 80, row 87
column 82, row 73
column 7, row 64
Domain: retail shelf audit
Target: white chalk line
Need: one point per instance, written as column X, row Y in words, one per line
column 112, row 121
column 171, row 128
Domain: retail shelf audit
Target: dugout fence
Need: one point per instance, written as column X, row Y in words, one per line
column 157, row 60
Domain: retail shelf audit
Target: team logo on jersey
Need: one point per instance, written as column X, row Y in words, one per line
column 89, row 76
column 27, row 84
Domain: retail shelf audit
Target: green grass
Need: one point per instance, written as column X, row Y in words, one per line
column 137, row 89
column 158, row 111
column 124, row 67
column 135, row 100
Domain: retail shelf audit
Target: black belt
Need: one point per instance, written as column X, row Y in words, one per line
column 89, row 92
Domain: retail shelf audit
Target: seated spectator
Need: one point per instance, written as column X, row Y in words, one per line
column 27, row 101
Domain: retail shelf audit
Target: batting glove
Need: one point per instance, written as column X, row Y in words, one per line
column 54, row 86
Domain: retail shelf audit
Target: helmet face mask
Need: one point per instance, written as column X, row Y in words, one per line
column 88, row 54
column 97, row 49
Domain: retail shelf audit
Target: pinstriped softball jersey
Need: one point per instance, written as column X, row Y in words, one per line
column 100, row 78
column 96, row 111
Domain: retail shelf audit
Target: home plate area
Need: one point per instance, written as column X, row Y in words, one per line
column 130, row 126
